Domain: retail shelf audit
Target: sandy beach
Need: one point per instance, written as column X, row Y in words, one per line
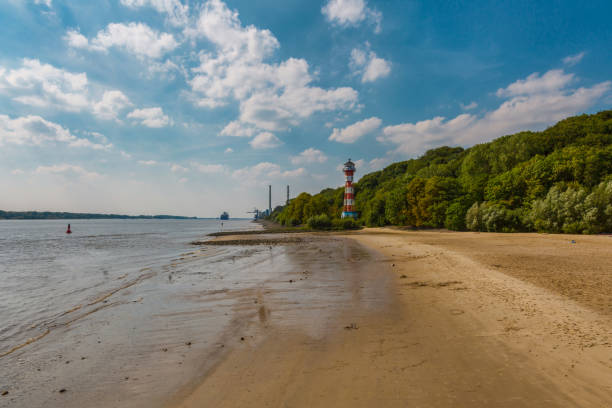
column 424, row 319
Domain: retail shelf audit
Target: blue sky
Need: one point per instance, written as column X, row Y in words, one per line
column 194, row 107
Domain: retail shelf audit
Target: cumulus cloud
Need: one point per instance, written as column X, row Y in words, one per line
column 352, row 133
column 469, row 106
column 346, row 13
column 272, row 96
column 150, row 117
column 310, row 155
column 136, row 38
column 45, row 2
column 35, row 131
column 176, row 168
column 228, row 150
column 111, row 104
column 43, row 85
column 67, row 169
column 264, row 172
column 265, row 140
column 535, row 83
column 379, row 163
column 531, row 103
column 208, row 168
column 178, row 13
column 368, row 65
column 572, row 60
column 235, row 128
column 147, row 162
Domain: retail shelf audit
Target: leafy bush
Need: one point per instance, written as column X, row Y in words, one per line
column 319, row 222
column 455, row 217
column 344, row 224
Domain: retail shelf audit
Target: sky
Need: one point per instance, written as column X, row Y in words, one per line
column 192, row 108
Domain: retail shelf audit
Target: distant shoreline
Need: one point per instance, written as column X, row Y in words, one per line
column 49, row 215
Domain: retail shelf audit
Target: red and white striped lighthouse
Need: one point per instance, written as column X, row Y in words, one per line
column 349, row 193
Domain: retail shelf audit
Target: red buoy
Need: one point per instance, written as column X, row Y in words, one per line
column 68, row 230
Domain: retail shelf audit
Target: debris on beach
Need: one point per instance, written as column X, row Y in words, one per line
column 4, row 393
column 63, row 390
column 188, row 343
column 403, row 277
column 352, row 326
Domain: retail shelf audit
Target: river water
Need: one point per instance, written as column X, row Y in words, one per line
column 90, row 305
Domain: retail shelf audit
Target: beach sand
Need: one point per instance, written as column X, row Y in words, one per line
column 425, row 319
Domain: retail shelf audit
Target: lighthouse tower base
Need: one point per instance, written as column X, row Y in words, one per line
column 349, row 214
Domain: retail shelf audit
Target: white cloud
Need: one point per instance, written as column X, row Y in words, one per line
column 347, row 13
column 136, row 38
column 17, row 172
column 125, row 155
column 175, row 168
column 263, row 172
column 551, row 81
column 43, row 85
column 147, row 162
column 66, row 169
column 368, row 65
column 45, row 2
column 150, row 117
column 265, row 140
column 229, row 150
column 352, row 133
column 272, row 96
column 572, row 60
column 178, row 13
column 235, row 128
column 111, row 104
column 469, row 106
column 166, row 69
column 309, row 155
column 183, row 180
column 208, row 168
column 35, row 131
column 379, row 163
column 532, row 103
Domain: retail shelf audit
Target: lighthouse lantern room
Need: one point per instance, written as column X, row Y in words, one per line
column 349, row 194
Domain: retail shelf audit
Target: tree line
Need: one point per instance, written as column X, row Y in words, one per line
column 557, row 180
column 49, row 215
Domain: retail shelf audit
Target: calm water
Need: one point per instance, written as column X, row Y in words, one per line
column 126, row 313
column 45, row 272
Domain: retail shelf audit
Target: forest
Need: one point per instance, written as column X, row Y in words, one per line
column 558, row 180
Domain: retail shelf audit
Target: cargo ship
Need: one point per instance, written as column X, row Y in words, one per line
column 224, row 216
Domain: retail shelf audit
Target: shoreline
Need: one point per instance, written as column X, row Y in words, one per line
column 457, row 323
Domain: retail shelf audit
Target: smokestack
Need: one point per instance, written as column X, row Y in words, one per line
column 270, row 199
column 287, row 194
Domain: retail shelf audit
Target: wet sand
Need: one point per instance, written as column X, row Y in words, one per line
column 435, row 319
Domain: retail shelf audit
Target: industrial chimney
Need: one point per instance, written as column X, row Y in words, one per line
column 269, row 199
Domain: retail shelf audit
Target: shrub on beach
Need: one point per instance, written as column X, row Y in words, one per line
column 319, row 222
column 344, row 224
